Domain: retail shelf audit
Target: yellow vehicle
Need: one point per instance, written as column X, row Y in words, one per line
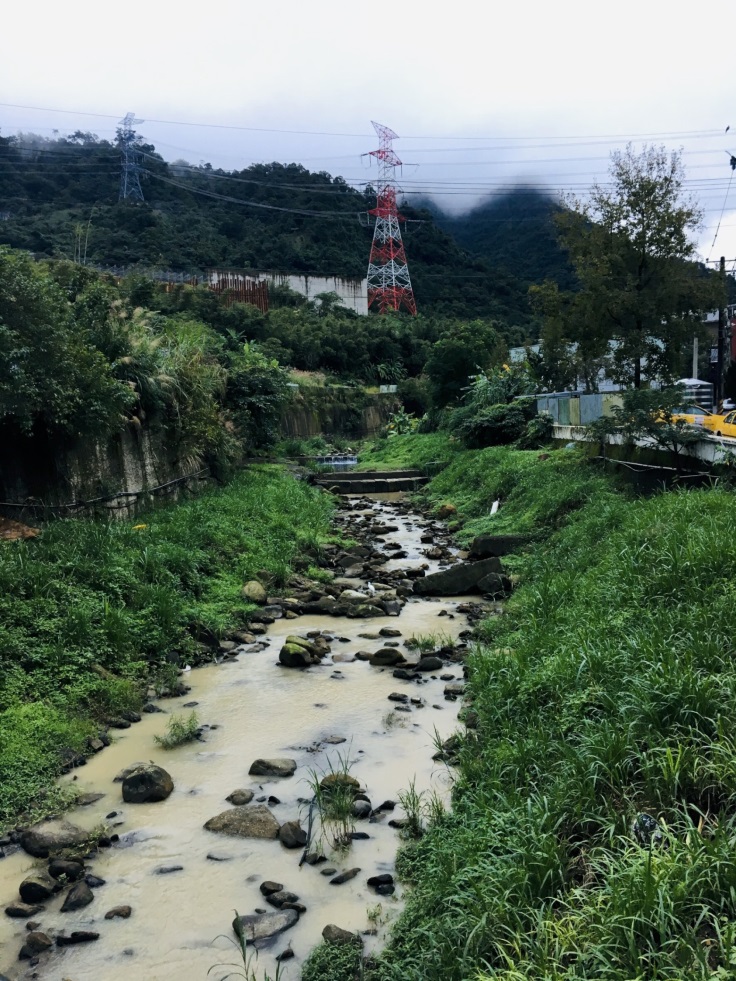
column 695, row 415
column 725, row 425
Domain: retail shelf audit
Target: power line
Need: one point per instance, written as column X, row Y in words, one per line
column 253, row 204
column 692, row 134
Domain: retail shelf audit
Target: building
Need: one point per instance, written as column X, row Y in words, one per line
column 352, row 291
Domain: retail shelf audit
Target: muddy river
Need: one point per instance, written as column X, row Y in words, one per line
column 259, row 709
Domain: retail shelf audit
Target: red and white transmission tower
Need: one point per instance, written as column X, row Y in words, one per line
column 388, row 273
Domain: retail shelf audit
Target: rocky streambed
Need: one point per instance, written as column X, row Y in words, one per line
column 356, row 681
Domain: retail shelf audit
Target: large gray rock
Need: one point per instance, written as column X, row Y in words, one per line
column 146, row 783
column 70, row 870
column 386, row 657
column 292, row 835
column 240, row 797
column 35, row 943
column 38, row 887
column 364, row 610
column 487, row 546
column 336, row 935
column 52, row 836
column 461, row 578
column 273, row 768
column 261, row 926
column 495, row 585
column 22, row 911
column 79, row 896
column 245, row 822
column 296, row 656
column 308, row 645
column 254, row 592
column 429, row 663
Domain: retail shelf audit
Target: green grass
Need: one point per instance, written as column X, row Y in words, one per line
column 91, row 612
column 334, row 962
column 179, row 731
column 607, row 690
column 410, row 450
column 334, row 801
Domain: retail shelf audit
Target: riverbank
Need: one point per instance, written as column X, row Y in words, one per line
column 95, row 613
column 157, row 879
column 592, row 828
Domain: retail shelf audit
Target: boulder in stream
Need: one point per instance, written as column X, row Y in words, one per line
column 336, row 935
column 292, row 835
column 262, row 926
column 461, row 578
column 146, row 783
column 35, row 943
column 52, row 836
column 386, row 657
column 37, row 887
column 79, row 896
column 240, row 797
column 272, row 768
column 245, row 822
column 296, row 656
column 23, row 911
column 495, row 585
column 486, row 546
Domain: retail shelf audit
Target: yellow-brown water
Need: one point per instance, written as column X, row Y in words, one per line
column 260, row 710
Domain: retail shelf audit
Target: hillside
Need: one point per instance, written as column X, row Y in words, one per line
column 515, row 233
column 60, row 198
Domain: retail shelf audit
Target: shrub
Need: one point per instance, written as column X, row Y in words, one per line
column 494, row 426
column 179, row 731
column 538, row 432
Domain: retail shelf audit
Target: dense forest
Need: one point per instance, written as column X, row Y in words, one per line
column 60, row 199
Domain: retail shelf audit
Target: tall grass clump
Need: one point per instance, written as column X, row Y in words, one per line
column 333, row 792
column 593, row 828
column 179, row 731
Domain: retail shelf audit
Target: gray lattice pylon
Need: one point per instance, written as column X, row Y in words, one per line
column 130, row 179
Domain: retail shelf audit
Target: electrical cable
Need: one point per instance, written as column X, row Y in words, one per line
column 718, row 227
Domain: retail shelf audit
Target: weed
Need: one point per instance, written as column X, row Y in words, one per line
column 393, row 720
column 429, row 642
column 179, row 731
column 413, row 803
column 333, row 791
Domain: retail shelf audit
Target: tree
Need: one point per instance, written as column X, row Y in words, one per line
column 650, row 415
column 630, row 244
column 461, row 351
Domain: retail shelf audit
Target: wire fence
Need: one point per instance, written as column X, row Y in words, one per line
column 122, row 499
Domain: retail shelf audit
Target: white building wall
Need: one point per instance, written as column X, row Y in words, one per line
column 353, row 292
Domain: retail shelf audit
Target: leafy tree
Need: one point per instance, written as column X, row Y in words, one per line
column 630, row 244
column 50, row 373
column 461, row 351
column 648, row 414
column 256, row 393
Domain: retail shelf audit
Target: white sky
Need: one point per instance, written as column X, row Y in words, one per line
column 481, row 93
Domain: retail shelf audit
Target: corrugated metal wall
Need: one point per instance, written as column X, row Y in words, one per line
column 578, row 410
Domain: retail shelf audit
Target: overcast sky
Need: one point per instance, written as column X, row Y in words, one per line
column 482, row 94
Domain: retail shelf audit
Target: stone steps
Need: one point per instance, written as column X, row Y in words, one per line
column 371, row 481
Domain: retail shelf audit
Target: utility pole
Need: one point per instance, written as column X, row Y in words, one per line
column 130, row 181
column 721, row 364
column 389, row 285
